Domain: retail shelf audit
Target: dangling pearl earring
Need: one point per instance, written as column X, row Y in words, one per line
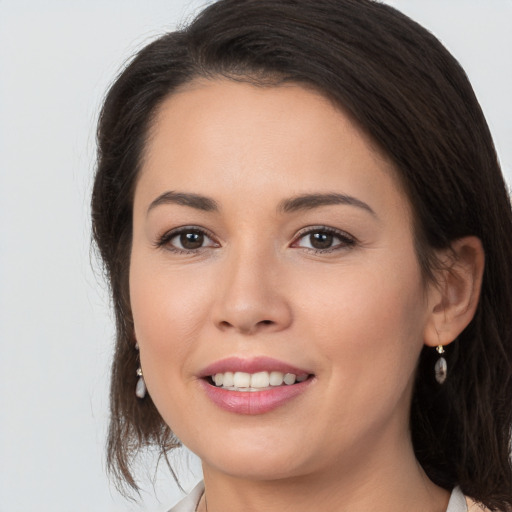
column 140, row 388
column 441, row 367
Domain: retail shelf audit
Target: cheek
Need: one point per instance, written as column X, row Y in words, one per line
column 369, row 325
column 169, row 309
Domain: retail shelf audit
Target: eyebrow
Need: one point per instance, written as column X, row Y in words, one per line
column 311, row 201
column 184, row 199
column 293, row 204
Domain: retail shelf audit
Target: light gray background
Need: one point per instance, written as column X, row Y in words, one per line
column 56, row 60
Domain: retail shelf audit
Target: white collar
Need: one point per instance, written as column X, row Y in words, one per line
column 457, row 501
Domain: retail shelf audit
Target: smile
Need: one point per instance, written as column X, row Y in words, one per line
column 253, row 386
column 242, row 381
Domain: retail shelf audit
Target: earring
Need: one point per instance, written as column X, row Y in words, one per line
column 140, row 388
column 441, row 367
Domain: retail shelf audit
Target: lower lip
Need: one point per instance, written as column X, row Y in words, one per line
column 253, row 402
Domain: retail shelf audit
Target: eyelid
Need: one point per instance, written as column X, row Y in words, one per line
column 347, row 240
column 163, row 241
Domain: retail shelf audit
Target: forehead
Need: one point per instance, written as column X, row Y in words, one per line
column 211, row 106
column 221, row 135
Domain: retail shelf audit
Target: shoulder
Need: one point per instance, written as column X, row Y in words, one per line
column 473, row 506
column 462, row 503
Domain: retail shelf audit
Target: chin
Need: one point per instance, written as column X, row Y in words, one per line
column 256, row 456
column 259, row 468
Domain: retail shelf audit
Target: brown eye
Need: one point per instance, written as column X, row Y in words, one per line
column 324, row 240
column 191, row 241
column 321, row 240
column 186, row 240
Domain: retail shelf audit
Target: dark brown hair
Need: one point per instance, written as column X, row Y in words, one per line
column 404, row 89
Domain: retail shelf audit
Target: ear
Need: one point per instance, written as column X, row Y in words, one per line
column 454, row 297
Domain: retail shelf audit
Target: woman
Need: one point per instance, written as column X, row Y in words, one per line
column 308, row 239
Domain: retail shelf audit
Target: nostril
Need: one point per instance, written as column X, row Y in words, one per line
column 248, row 328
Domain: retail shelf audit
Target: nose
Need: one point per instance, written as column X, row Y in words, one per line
column 251, row 298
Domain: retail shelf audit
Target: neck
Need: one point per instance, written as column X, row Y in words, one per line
column 392, row 481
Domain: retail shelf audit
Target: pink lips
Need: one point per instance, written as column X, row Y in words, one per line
column 252, row 402
column 254, row 365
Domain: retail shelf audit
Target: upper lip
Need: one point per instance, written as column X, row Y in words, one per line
column 250, row 365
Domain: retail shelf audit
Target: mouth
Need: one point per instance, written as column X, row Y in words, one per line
column 253, row 386
column 254, row 382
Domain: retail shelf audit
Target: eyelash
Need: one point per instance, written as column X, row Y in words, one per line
column 165, row 239
column 346, row 241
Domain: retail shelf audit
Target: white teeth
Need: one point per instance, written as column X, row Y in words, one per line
column 228, row 380
column 242, row 380
column 256, row 381
column 289, row 379
column 276, row 378
column 260, row 380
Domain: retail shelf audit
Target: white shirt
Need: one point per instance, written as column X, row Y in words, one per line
column 457, row 501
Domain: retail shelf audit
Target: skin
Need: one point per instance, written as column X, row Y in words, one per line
column 356, row 315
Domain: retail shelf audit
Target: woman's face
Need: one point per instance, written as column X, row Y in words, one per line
column 271, row 238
